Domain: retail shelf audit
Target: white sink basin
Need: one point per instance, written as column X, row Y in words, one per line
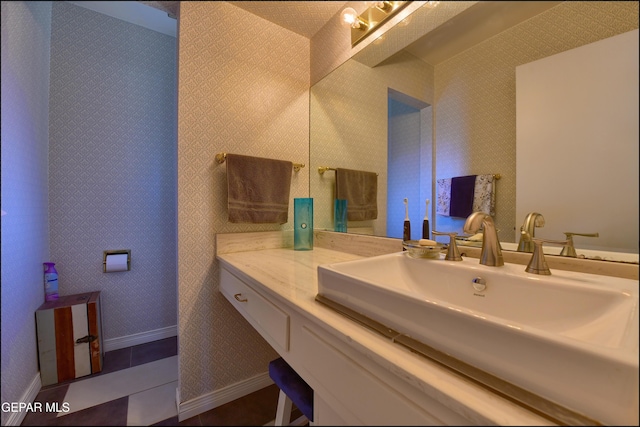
column 571, row 338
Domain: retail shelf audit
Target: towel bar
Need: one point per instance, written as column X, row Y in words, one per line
column 221, row 157
column 323, row 169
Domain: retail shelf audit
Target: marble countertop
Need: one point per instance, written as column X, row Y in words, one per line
column 290, row 277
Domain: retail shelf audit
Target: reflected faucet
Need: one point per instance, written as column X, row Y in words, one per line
column 570, row 250
column 528, row 231
column 491, row 253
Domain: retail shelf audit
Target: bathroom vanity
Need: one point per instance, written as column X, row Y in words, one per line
column 359, row 377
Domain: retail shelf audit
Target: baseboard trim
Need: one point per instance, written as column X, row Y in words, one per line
column 141, row 338
column 209, row 401
column 29, row 396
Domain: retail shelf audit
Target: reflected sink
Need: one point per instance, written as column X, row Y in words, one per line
column 571, row 338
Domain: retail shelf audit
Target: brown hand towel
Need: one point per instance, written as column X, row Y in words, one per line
column 258, row 189
column 360, row 188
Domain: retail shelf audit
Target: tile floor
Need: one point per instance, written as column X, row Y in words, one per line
column 137, row 386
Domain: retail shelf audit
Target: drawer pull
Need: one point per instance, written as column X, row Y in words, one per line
column 237, row 297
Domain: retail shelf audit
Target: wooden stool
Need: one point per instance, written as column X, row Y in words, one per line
column 293, row 389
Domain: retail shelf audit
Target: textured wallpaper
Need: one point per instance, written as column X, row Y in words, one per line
column 349, row 127
column 26, row 27
column 475, row 95
column 112, row 165
column 244, row 89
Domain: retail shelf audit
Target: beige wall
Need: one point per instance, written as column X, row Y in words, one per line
column 475, row 102
column 243, row 88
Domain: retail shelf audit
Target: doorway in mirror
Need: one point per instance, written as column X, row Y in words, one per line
column 409, row 161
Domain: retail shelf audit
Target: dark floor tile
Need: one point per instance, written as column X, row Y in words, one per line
column 255, row 409
column 116, row 360
column 155, row 350
column 113, row 413
column 193, row 421
column 53, row 394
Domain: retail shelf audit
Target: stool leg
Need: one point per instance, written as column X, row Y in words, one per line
column 283, row 413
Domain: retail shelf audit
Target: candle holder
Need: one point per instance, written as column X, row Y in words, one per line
column 303, row 224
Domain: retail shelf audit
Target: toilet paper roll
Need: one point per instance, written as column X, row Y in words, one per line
column 116, row 262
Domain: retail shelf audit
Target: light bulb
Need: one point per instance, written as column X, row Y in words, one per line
column 349, row 18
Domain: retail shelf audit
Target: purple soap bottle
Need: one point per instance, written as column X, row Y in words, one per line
column 50, row 281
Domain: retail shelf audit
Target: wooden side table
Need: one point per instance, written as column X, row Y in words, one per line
column 69, row 337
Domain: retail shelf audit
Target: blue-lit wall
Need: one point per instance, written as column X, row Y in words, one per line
column 89, row 159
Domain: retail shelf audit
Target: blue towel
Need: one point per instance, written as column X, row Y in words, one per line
column 462, row 190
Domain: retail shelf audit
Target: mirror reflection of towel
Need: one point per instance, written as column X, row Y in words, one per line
column 462, row 188
column 258, row 189
column 460, row 196
column 360, row 189
column 443, row 201
column 484, row 196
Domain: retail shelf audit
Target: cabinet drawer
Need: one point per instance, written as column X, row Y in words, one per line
column 264, row 316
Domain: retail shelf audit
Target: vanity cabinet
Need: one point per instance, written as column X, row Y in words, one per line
column 349, row 387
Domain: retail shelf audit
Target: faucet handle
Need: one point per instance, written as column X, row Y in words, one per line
column 570, row 250
column 538, row 264
column 453, row 254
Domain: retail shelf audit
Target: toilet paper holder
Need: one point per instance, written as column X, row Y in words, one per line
column 116, row 252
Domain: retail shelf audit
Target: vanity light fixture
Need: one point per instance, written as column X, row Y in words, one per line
column 382, row 5
column 377, row 12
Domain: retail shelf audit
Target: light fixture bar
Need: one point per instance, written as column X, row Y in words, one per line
column 374, row 17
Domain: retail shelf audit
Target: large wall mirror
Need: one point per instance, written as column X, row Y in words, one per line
column 445, row 105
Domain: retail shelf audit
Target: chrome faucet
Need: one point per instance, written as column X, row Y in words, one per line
column 528, row 231
column 491, row 253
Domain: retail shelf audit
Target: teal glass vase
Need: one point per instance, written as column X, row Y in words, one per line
column 340, row 215
column 303, row 224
